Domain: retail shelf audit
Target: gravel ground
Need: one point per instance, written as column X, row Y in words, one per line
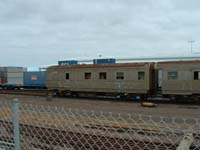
column 165, row 110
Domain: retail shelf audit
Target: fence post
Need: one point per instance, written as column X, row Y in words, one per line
column 16, row 124
column 186, row 142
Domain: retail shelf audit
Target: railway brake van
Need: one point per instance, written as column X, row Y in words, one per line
column 123, row 79
column 179, row 79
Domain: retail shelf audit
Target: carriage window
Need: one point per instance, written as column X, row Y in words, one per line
column 141, row 75
column 88, row 75
column 172, row 75
column 120, row 76
column 102, row 76
column 67, row 76
column 197, row 75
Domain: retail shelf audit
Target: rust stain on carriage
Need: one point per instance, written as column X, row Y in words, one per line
column 101, row 65
column 179, row 62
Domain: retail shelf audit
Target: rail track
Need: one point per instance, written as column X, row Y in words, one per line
column 29, row 92
column 46, row 93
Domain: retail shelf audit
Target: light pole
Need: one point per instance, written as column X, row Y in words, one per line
column 191, row 45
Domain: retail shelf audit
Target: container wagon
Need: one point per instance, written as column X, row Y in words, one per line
column 35, row 79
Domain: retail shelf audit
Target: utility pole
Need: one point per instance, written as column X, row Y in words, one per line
column 191, row 45
column 99, row 55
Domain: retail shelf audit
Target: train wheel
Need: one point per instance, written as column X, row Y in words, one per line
column 55, row 93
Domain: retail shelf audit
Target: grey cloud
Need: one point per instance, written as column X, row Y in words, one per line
column 39, row 32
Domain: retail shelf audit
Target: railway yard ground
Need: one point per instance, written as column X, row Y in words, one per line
column 78, row 123
column 98, row 105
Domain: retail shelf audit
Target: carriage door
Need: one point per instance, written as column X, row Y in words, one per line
column 160, row 79
column 67, row 78
column 196, row 81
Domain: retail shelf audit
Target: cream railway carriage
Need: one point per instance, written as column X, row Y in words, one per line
column 179, row 78
column 101, row 79
column 175, row 79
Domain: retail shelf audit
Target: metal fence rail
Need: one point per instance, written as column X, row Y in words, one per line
column 54, row 128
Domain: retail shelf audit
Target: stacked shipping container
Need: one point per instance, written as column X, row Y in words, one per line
column 3, row 78
column 11, row 75
column 15, row 75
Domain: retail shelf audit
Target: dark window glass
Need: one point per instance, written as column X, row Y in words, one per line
column 196, row 75
column 119, row 75
column 88, row 75
column 102, row 76
column 141, row 75
column 67, row 76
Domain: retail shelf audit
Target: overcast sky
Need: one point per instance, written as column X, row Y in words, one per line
column 41, row 32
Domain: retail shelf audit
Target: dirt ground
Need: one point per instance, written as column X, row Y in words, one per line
column 165, row 110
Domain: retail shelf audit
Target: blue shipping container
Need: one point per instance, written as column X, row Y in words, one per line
column 35, row 79
column 104, row 61
column 67, row 62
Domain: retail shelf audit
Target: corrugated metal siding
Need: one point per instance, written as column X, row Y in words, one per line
column 3, row 74
column 15, row 81
column 14, row 69
column 35, row 78
column 14, row 75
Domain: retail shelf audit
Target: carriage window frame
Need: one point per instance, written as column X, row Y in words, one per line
column 196, row 75
column 141, row 75
column 120, row 75
column 172, row 75
column 102, row 75
column 87, row 75
column 67, row 76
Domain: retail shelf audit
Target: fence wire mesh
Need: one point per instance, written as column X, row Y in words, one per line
column 56, row 128
column 6, row 127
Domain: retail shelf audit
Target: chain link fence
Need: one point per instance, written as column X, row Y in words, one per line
column 55, row 128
